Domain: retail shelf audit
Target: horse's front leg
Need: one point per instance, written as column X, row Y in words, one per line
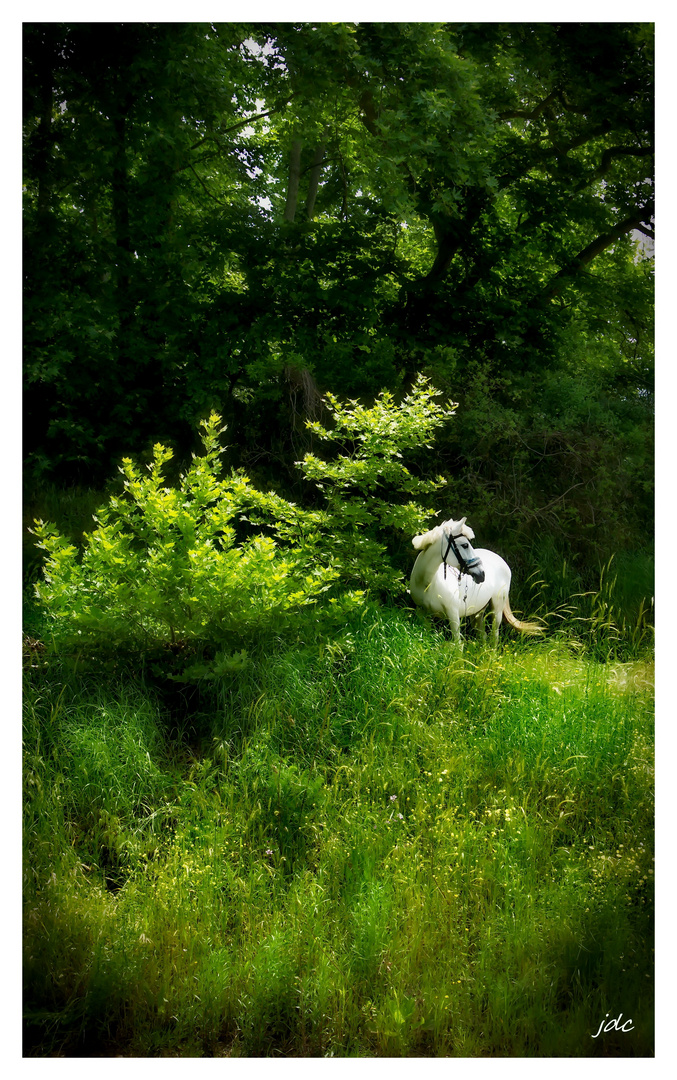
column 454, row 622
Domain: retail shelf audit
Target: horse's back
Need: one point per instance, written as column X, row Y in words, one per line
column 496, row 584
column 495, row 567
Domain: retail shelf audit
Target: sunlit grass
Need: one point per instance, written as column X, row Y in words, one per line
column 372, row 845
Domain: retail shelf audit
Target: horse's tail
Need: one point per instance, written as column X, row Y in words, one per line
column 525, row 627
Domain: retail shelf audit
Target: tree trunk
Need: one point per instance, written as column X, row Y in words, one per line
column 294, row 178
column 314, row 179
column 40, row 47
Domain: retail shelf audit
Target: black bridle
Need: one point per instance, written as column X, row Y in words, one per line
column 463, row 564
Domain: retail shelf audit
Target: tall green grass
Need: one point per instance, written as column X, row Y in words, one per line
column 372, row 844
column 612, row 614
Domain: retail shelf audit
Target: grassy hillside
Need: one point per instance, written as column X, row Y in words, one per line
column 368, row 843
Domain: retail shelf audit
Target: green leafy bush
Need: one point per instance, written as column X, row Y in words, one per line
column 368, row 490
column 164, row 564
column 177, row 565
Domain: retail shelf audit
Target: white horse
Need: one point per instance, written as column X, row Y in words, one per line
column 452, row 579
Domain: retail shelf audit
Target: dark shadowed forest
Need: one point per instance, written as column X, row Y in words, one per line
column 293, row 294
column 242, row 217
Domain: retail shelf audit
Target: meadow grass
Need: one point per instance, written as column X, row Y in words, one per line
column 368, row 843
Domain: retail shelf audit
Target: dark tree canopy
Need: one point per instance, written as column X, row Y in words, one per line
column 242, row 216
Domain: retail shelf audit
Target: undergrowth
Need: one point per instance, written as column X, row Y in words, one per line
column 368, row 843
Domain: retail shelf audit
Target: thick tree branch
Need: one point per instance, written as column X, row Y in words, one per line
column 369, row 112
column 240, row 124
column 569, row 107
column 541, row 154
column 619, row 151
column 202, row 183
column 534, row 220
column 522, row 114
column 596, row 247
column 647, row 232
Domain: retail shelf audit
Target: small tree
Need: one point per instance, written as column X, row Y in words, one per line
column 166, row 565
column 370, row 494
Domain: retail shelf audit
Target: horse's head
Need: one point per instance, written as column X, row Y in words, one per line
column 457, row 549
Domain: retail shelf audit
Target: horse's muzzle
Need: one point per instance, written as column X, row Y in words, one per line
column 476, row 573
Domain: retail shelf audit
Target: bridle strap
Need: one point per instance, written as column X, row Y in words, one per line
column 463, row 564
column 450, row 545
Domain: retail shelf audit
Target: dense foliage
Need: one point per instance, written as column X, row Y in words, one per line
column 242, row 217
column 215, row 557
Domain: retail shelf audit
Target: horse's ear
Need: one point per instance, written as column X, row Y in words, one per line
column 466, row 530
